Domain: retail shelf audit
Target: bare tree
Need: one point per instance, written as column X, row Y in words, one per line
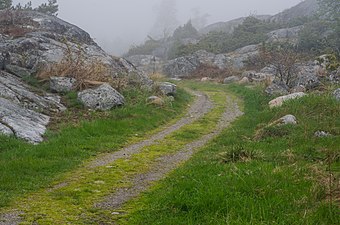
column 283, row 57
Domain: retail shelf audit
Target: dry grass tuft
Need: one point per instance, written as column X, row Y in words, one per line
column 87, row 71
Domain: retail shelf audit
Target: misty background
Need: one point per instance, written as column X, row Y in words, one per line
column 116, row 25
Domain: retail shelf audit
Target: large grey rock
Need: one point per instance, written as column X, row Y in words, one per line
column 167, row 88
column 26, row 124
column 102, row 98
column 238, row 58
column 48, row 40
column 24, row 113
column 336, row 94
column 277, row 102
column 182, row 66
column 285, row 34
column 205, row 57
column 62, row 84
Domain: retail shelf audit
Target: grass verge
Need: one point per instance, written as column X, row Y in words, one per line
column 25, row 168
column 75, row 202
column 288, row 177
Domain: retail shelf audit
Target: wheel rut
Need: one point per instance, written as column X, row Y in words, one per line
column 201, row 106
column 168, row 163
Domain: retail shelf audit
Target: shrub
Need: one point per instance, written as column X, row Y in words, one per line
column 283, row 57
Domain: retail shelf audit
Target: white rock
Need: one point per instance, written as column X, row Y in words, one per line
column 280, row 100
column 288, row 119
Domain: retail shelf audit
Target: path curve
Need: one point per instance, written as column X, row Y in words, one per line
column 201, row 106
column 168, row 163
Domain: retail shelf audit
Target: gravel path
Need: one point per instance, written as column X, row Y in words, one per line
column 200, row 107
column 166, row 164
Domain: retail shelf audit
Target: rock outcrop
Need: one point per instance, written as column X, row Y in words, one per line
column 184, row 66
column 31, row 41
column 306, row 8
column 181, row 67
column 37, row 40
column 24, row 113
column 285, row 35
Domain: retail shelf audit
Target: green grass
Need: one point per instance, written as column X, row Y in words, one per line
column 74, row 202
column 279, row 178
column 26, row 168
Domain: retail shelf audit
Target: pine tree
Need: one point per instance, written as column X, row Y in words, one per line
column 5, row 4
column 50, row 8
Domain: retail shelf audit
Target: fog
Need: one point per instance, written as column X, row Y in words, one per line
column 117, row 24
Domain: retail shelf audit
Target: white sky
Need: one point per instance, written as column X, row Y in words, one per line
column 116, row 24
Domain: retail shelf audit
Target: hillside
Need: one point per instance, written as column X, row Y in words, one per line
column 239, row 125
column 228, row 27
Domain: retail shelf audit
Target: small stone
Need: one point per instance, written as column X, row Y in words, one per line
column 321, row 134
column 231, row 79
column 288, row 119
column 336, row 94
column 244, row 80
column 167, row 88
column 154, row 100
column 205, row 79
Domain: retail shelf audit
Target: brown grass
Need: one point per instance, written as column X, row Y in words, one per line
column 87, row 71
